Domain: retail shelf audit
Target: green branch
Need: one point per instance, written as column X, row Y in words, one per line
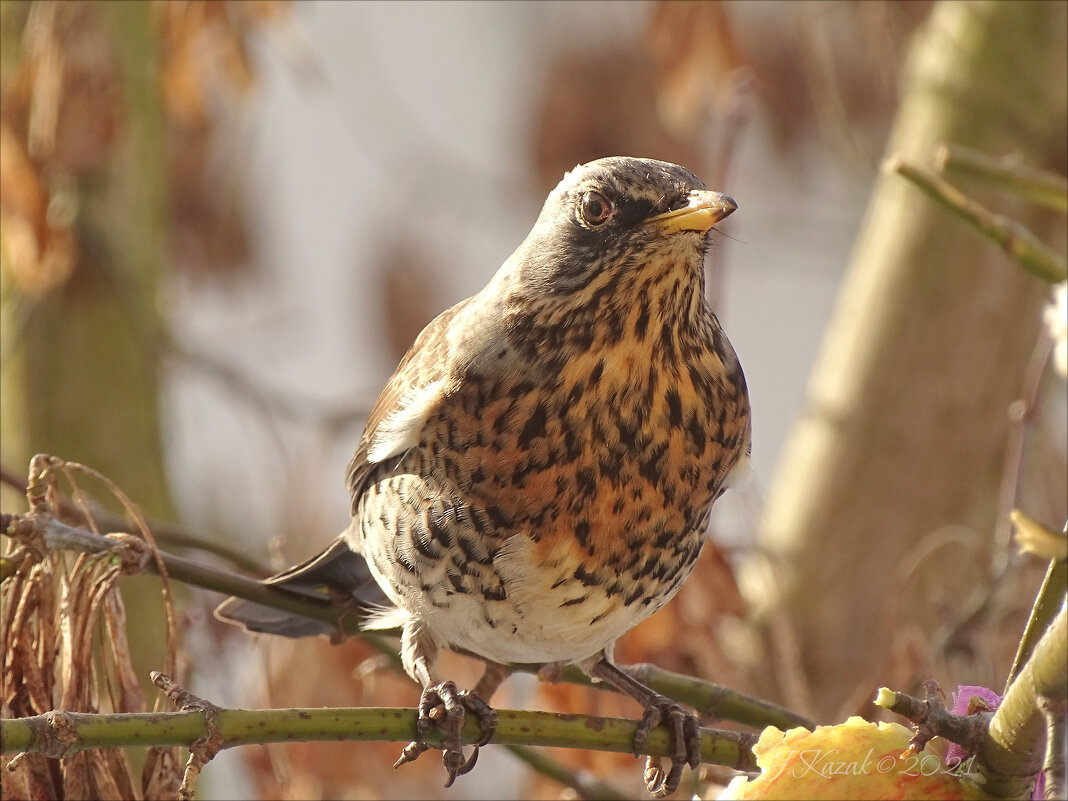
column 1050, row 598
column 61, row 733
column 60, row 536
column 716, row 702
column 1039, row 186
column 712, row 700
column 1012, row 754
column 1016, row 240
column 585, row 785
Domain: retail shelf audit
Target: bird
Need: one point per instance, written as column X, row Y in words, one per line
column 536, row 477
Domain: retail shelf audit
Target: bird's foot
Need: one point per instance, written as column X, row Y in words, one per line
column 686, row 744
column 444, row 706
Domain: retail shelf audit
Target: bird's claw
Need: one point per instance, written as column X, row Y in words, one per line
column 686, row 742
column 444, row 706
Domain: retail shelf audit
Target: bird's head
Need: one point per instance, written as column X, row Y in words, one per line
column 618, row 216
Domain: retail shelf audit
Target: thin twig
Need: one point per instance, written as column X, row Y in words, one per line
column 1022, row 413
column 715, row 702
column 167, row 534
column 931, row 718
column 59, row 535
column 203, row 749
column 1040, row 186
column 1016, row 240
column 1050, row 598
column 583, row 783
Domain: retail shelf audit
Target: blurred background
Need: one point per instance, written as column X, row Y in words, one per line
column 224, row 223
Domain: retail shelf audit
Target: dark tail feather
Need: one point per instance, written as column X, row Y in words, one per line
column 338, row 568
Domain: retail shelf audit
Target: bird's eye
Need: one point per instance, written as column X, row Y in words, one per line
column 595, row 208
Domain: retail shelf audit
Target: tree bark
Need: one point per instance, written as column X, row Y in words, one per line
column 81, row 362
column 901, row 444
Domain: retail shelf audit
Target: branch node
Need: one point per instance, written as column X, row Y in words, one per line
column 133, row 552
column 931, row 719
column 24, row 530
column 933, row 706
column 41, row 483
column 56, row 732
column 203, row 749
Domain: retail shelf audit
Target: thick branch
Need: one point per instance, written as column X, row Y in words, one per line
column 1055, row 768
column 1011, row 755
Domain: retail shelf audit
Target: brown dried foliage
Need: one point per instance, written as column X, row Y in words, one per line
column 64, row 119
column 694, row 50
column 64, row 646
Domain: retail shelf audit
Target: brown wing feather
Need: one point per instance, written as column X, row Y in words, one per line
column 425, row 362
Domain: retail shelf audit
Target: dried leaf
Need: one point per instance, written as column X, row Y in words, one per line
column 66, row 647
column 75, row 108
column 574, row 88
column 1033, row 537
column 39, row 253
column 36, row 683
column 695, row 53
column 112, row 773
column 77, row 773
column 31, row 780
column 131, row 696
column 162, row 773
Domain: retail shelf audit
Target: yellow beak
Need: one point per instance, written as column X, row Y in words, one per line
column 704, row 210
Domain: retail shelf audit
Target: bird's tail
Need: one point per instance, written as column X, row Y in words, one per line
column 338, row 568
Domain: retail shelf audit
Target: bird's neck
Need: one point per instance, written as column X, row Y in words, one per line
column 630, row 317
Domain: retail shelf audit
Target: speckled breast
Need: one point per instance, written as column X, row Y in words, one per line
column 538, row 520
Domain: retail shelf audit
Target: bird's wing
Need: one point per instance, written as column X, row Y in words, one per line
column 410, row 397
column 338, row 568
column 396, row 423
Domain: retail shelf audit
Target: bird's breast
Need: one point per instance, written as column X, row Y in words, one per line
column 571, row 490
column 616, row 449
